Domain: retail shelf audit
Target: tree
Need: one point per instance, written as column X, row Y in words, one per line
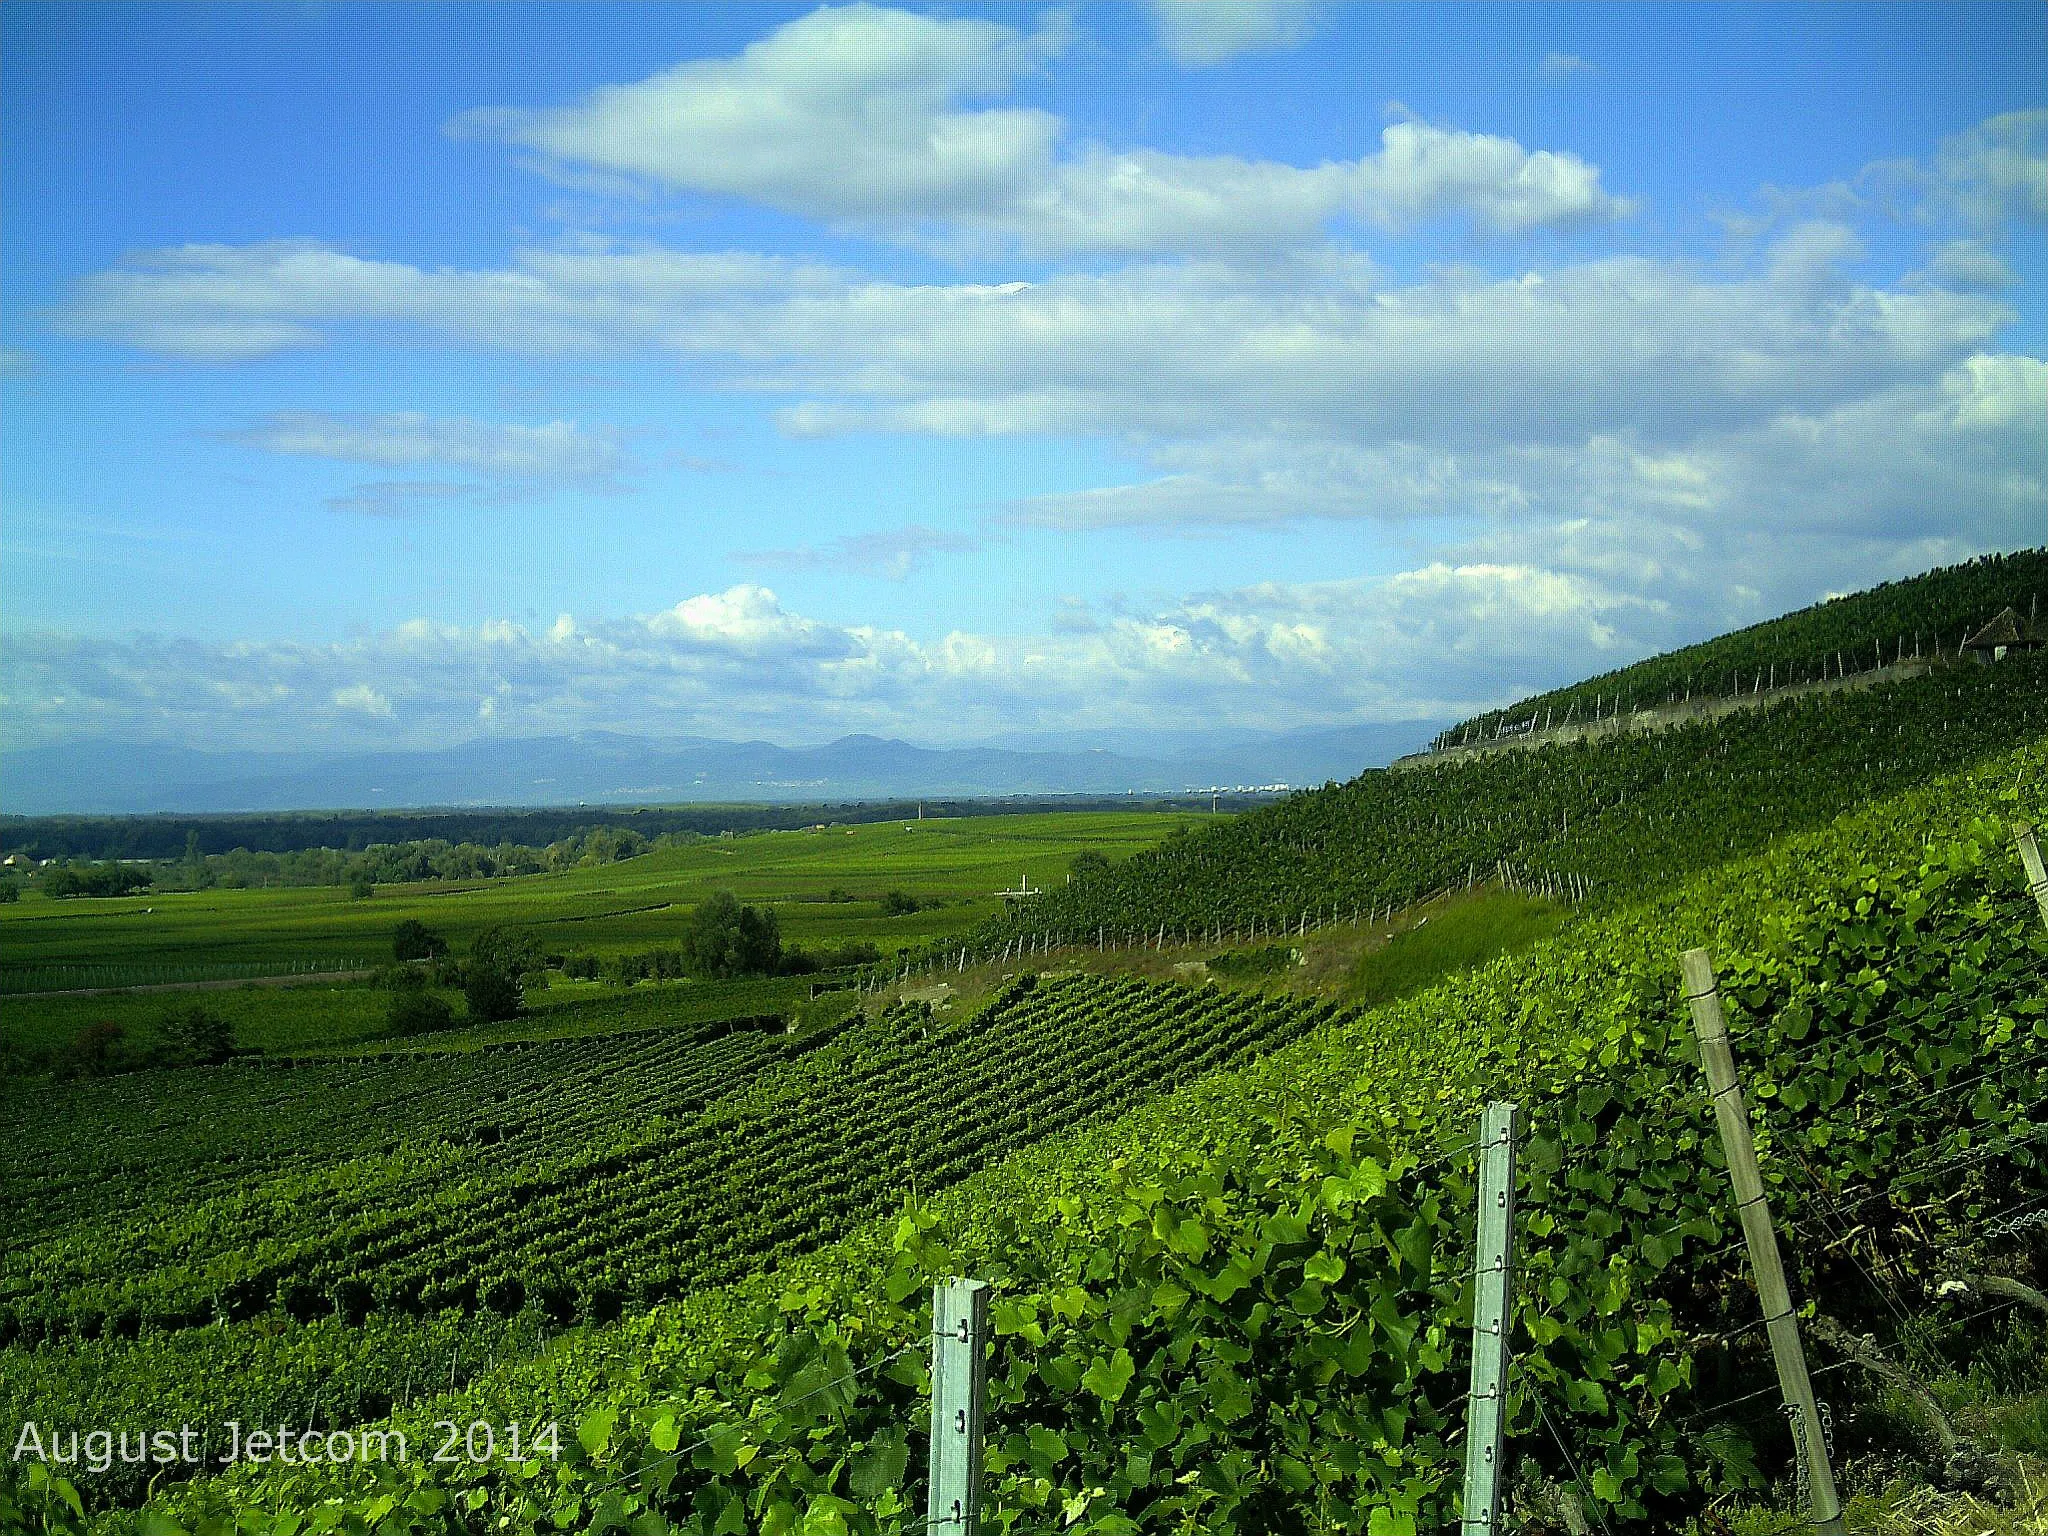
column 361, row 888
column 414, row 940
column 91, row 1051
column 490, row 994
column 727, row 939
column 899, row 904
column 1088, row 864
column 514, row 951
column 196, row 1037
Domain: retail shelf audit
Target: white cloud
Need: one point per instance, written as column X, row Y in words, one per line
column 738, row 662
column 1971, row 266
column 1200, row 33
column 1185, row 352
column 857, row 116
column 362, row 699
column 1558, row 68
column 1997, row 172
column 559, row 451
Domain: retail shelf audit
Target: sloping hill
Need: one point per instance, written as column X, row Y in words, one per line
column 1926, row 616
column 1246, row 1305
column 1610, row 817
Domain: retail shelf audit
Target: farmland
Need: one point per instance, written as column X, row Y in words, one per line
column 826, row 887
column 1203, row 1118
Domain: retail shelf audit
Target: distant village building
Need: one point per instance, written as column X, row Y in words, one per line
column 2007, row 631
column 17, row 861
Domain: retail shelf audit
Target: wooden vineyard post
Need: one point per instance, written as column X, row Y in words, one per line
column 959, row 1383
column 2030, row 856
column 1703, row 992
column 1486, row 1407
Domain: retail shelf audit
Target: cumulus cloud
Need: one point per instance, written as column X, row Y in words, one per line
column 1178, row 352
column 1201, row 33
column 860, row 116
column 1997, row 173
column 363, row 699
column 739, row 662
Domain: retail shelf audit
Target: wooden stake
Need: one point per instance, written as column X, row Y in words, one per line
column 1711, row 1025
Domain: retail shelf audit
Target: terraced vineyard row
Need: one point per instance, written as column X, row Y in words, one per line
column 584, row 1176
column 1621, row 815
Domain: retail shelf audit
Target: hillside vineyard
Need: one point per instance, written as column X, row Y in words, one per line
column 1228, row 1232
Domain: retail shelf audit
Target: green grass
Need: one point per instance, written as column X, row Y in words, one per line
column 607, row 908
column 1450, row 937
column 956, row 866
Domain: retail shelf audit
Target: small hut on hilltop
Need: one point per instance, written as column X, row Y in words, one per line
column 2007, row 631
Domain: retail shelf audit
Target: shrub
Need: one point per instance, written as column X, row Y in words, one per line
column 581, row 967
column 91, row 1052
column 490, row 994
column 900, row 904
column 196, row 1037
column 419, row 1012
column 414, row 940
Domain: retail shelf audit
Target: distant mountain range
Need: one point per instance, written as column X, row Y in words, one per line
column 603, row 768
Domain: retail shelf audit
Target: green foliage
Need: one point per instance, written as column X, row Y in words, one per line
column 417, row 1011
column 1246, row 1305
column 95, row 880
column 1251, row 964
column 414, row 940
column 726, row 939
column 491, row 995
column 817, row 1015
column 899, row 904
column 509, row 951
column 195, row 1036
column 1625, row 814
column 93, row 1051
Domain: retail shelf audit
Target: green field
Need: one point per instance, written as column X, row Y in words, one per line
column 825, row 887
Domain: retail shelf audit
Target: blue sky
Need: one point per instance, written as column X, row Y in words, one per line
column 391, row 375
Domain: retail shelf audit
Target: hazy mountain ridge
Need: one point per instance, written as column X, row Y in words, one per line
column 602, row 767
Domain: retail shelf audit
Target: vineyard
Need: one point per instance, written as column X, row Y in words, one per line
column 1244, row 1304
column 1611, row 817
column 1925, row 618
column 1230, row 1235
column 576, row 1178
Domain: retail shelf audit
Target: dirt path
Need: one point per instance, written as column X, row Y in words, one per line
column 297, row 979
